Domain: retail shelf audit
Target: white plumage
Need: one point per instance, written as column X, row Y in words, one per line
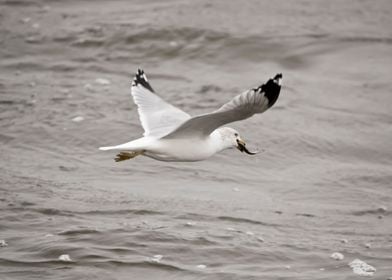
column 156, row 116
column 171, row 134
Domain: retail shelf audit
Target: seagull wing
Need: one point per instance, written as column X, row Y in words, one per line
column 157, row 117
column 243, row 106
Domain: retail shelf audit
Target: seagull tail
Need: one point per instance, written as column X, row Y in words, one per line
column 135, row 145
column 128, row 150
column 108, row 148
column 105, row 148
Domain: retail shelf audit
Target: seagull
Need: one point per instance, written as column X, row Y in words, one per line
column 171, row 134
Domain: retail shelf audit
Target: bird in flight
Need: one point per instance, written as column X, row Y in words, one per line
column 171, row 134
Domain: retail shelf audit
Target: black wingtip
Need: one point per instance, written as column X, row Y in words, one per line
column 141, row 79
column 271, row 89
column 278, row 76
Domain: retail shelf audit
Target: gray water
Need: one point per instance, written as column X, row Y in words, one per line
column 322, row 184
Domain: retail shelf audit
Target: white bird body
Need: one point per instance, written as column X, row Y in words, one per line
column 177, row 149
column 173, row 135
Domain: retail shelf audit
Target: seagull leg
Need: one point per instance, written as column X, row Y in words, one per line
column 127, row 155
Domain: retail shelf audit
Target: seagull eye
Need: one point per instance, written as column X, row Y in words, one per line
column 236, row 134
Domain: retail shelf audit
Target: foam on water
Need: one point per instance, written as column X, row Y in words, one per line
column 65, row 258
column 361, row 268
column 337, row 256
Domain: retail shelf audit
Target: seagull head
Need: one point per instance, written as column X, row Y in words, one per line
column 232, row 138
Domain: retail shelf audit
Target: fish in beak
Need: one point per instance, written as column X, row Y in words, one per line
column 241, row 146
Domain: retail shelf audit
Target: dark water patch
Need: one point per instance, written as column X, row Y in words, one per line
column 35, row 263
column 7, row 102
column 314, row 36
column 122, row 250
column 27, row 203
column 143, row 264
column 325, row 38
column 371, row 180
column 384, row 40
column 194, row 217
column 92, row 258
column 298, row 246
column 6, row 138
column 21, row 3
column 67, row 169
column 79, row 231
column 85, row 59
column 305, row 215
column 210, row 218
column 45, row 211
column 157, row 237
column 205, row 240
column 63, row 67
column 135, row 244
column 169, row 35
column 25, row 65
column 208, row 89
column 64, row 37
column 201, row 241
column 52, row 212
column 379, row 211
column 293, row 61
column 24, row 103
column 58, row 212
column 350, row 233
column 121, row 212
column 25, row 273
column 243, row 220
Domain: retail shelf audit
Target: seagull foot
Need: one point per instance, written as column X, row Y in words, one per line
column 127, row 155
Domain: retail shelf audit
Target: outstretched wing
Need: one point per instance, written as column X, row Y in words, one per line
column 157, row 117
column 241, row 107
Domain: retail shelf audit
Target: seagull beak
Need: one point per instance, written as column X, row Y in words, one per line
column 241, row 146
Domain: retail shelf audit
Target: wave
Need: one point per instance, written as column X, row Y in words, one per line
column 207, row 45
column 48, row 262
column 60, row 212
column 381, row 211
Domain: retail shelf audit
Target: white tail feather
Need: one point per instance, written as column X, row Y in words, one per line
column 107, row 148
column 135, row 145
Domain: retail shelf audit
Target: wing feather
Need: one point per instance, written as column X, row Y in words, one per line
column 243, row 106
column 157, row 117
